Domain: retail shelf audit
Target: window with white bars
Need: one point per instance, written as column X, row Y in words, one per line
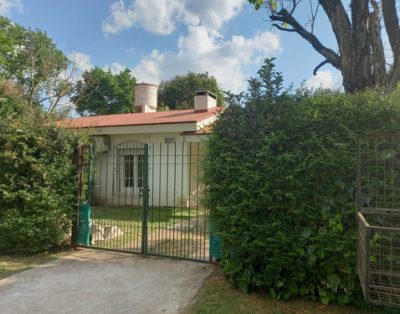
column 130, row 171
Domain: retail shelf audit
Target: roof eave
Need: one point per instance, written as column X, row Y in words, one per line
column 144, row 129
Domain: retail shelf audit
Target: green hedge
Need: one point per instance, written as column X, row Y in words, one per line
column 37, row 183
column 281, row 177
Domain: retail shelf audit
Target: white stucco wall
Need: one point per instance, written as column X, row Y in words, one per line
column 173, row 170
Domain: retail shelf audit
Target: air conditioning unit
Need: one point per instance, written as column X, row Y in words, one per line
column 101, row 143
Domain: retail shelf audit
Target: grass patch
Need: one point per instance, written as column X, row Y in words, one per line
column 217, row 296
column 12, row 264
column 129, row 220
column 157, row 215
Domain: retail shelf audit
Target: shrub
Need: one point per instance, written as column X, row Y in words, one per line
column 281, row 171
column 37, row 183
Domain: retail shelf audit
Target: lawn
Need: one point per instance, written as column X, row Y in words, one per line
column 12, row 264
column 217, row 296
column 134, row 214
column 171, row 231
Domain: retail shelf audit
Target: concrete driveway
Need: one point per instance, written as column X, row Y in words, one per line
column 98, row 282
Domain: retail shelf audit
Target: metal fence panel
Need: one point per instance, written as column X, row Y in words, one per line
column 378, row 218
column 147, row 198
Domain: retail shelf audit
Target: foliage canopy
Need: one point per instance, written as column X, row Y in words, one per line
column 280, row 168
column 30, row 59
column 102, row 92
column 178, row 92
column 38, row 177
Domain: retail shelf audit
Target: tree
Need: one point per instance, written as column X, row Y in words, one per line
column 101, row 92
column 267, row 85
column 38, row 176
column 11, row 99
column 361, row 58
column 30, row 59
column 178, row 92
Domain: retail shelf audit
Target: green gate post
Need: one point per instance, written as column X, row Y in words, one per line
column 145, row 197
column 215, row 241
column 89, row 179
column 84, row 225
column 83, row 237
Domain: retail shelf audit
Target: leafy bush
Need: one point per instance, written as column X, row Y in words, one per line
column 281, row 175
column 37, row 182
column 37, row 177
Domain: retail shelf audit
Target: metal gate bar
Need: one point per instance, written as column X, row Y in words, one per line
column 179, row 190
column 146, row 198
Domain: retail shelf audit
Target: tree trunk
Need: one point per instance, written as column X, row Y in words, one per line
column 367, row 58
column 378, row 54
column 361, row 57
column 391, row 21
column 360, row 71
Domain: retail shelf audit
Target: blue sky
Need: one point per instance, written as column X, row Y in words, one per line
column 158, row 39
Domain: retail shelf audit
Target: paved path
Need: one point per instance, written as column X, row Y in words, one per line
column 100, row 282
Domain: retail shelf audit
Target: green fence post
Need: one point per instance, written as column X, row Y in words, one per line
column 89, row 174
column 84, row 225
column 215, row 241
column 83, row 236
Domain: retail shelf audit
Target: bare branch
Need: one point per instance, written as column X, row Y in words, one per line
column 320, row 66
column 313, row 16
column 295, row 3
column 283, row 28
column 329, row 54
column 67, row 82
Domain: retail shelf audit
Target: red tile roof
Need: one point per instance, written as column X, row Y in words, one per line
column 133, row 119
column 203, row 131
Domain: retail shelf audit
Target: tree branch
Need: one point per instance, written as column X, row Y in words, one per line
column 340, row 22
column 391, row 21
column 313, row 16
column 295, row 3
column 283, row 29
column 329, row 54
column 320, row 66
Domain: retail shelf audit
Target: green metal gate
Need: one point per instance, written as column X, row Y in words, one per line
column 145, row 198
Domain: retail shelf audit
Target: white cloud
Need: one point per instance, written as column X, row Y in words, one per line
column 81, row 61
column 202, row 50
column 158, row 16
column 214, row 13
column 149, row 68
column 325, row 79
column 162, row 16
column 6, row 6
column 115, row 68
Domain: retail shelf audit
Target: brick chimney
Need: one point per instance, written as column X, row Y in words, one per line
column 204, row 100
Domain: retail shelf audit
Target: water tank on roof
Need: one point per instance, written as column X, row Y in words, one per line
column 146, row 97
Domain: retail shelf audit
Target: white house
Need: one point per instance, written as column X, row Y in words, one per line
column 174, row 141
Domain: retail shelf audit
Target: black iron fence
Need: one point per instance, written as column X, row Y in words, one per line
column 146, row 198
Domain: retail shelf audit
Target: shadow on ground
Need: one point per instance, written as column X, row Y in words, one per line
column 89, row 281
